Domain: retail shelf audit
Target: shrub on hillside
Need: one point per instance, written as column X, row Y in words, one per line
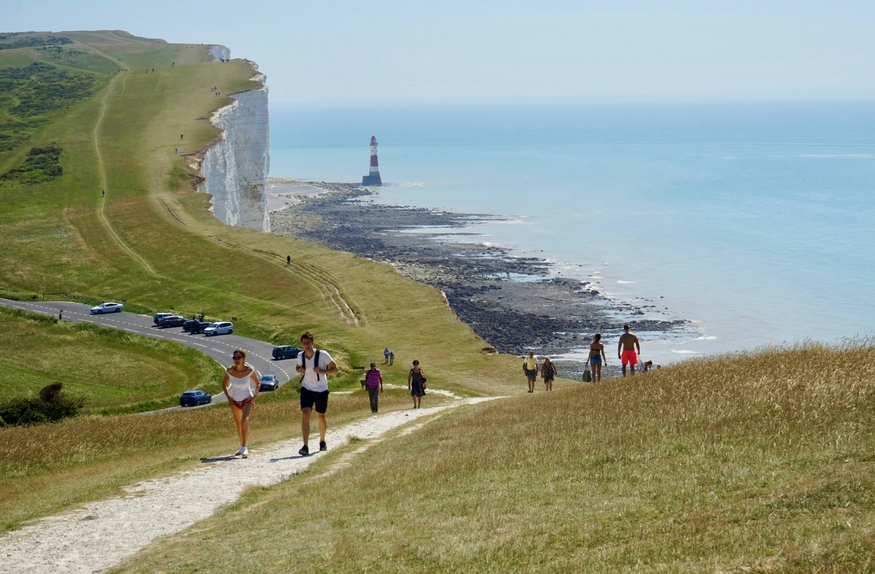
column 41, row 164
column 51, row 405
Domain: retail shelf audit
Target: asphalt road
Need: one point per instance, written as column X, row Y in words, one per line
column 219, row 347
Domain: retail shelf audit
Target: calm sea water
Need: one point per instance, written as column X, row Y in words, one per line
column 756, row 222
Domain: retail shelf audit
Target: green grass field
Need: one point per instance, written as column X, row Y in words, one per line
column 762, row 462
column 111, row 369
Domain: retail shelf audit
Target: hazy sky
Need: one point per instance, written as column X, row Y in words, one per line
column 509, row 51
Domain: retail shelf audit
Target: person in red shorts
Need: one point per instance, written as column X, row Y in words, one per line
column 626, row 349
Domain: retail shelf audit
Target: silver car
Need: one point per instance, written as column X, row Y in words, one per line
column 219, row 328
column 268, row 383
column 107, row 307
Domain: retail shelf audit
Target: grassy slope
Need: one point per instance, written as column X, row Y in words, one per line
column 153, row 242
column 757, row 463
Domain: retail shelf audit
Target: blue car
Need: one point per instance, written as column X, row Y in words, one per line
column 285, row 352
column 195, row 398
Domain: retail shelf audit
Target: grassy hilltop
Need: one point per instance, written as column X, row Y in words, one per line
column 754, row 463
column 152, row 241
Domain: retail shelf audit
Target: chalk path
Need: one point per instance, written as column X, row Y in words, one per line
column 99, row 535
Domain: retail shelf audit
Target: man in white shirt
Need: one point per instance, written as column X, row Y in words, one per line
column 315, row 365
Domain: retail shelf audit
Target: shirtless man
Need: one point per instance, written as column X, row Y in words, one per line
column 626, row 349
column 530, row 368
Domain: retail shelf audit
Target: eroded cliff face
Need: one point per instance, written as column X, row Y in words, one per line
column 235, row 168
column 220, row 52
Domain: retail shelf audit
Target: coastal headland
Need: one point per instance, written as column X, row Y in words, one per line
column 514, row 303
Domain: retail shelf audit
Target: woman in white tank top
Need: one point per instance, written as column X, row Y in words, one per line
column 241, row 396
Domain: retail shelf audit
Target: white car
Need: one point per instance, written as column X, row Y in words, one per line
column 219, row 328
column 107, row 308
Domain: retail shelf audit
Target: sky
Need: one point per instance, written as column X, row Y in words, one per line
column 393, row 52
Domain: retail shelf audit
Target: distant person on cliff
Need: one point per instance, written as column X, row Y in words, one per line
column 240, row 395
column 391, row 358
column 416, row 384
column 314, row 364
column 626, row 349
column 548, row 373
column 530, row 368
column 288, row 259
column 596, row 357
column 374, row 384
column 386, row 356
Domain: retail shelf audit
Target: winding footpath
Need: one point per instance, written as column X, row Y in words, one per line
column 101, row 534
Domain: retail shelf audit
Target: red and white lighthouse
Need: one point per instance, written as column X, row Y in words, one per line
column 373, row 177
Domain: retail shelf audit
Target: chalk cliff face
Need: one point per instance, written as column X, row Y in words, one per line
column 235, row 168
column 220, row 52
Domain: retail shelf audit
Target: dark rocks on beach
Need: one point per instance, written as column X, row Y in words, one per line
column 547, row 315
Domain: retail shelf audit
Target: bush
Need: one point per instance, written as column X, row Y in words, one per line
column 52, row 405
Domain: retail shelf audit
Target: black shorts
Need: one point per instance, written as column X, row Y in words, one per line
column 309, row 398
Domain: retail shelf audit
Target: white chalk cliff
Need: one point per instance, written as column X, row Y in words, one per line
column 219, row 52
column 235, row 168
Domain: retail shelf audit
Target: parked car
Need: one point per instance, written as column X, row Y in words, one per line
column 195, row 398
column 268, row 383
column 107, row 308
column 285, row 352
column 219, row 328
column 158, row 316
column 171, row 321
column 194, row 326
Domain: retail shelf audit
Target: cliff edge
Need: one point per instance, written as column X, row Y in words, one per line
column 235, row 168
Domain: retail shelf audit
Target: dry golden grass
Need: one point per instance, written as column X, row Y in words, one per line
column 761, row 462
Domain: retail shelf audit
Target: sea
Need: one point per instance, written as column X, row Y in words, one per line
column 753, row 222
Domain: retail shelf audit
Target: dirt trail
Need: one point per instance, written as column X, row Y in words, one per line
column 101, row 534
column 101, row 211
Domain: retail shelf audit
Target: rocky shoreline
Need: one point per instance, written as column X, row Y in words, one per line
column 511, row 302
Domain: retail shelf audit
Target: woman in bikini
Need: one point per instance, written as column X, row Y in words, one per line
column 596, row 358
column 241, row 396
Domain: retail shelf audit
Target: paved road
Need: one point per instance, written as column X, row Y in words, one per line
column 219, row 347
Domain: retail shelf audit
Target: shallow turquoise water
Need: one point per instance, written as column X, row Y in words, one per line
column 754, row 221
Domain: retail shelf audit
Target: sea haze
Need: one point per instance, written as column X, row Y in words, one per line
column 753, row 221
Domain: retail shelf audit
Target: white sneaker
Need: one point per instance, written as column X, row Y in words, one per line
column 245, row 452
column 240, row 451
